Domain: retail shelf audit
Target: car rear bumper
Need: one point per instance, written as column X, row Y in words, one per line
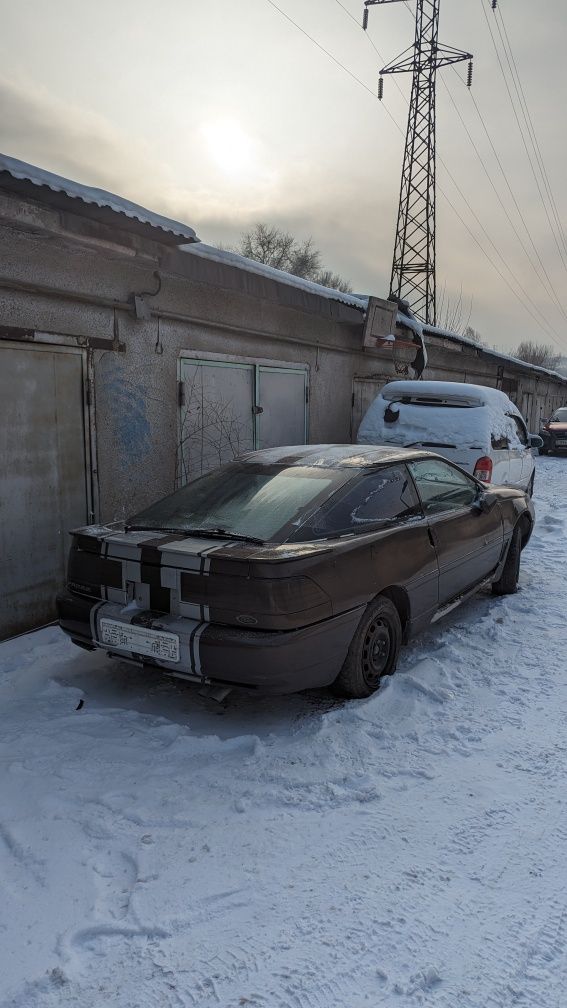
column 270, row 661
column 554, row 442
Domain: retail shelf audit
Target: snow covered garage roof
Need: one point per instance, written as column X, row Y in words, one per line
column 21, row 171
column 227, row 258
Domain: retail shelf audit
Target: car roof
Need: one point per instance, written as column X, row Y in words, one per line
column 332, row 456
column 447, row 392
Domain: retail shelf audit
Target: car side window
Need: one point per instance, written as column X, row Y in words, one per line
column 381, row 497
column 520, row 429
column 499, row 442
column 441, row 486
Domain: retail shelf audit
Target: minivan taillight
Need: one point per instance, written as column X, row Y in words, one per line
column 483, row 469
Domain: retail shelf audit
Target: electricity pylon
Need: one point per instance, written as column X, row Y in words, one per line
column 413, row 266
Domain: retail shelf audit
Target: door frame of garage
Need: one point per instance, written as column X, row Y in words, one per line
column 357, row 381
column 228, row 360
column 59, row 343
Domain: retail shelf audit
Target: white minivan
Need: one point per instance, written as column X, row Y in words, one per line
column 478, row 428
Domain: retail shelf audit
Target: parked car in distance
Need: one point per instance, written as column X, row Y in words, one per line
column 294, row 567
column 478, row 428
column 554, row 433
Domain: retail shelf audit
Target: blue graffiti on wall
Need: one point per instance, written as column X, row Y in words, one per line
column 126, row 408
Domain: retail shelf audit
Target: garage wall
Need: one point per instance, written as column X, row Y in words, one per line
column 43, row 491
column 135, row 361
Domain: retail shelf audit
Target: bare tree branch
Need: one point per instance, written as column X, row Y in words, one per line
column 273, row 247
column 541, row 354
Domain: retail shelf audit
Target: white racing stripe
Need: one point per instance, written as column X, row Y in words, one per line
column 197, row 648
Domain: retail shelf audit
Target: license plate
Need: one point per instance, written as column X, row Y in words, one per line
column 140, row 640
column 561, row 441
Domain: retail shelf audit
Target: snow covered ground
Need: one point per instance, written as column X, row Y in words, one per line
column 157, row 850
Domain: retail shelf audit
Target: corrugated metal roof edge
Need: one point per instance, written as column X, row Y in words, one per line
column 447, row 334
column 423, row 329
column 228, row 258
column 89, row 195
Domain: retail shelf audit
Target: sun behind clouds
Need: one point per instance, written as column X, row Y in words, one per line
column 231, row 149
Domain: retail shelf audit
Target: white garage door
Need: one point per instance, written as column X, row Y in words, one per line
column 230, row 407
column 43, row 487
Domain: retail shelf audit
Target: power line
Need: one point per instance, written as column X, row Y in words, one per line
column 511, row 191
column 529, row 122
column 370, row 41
column 329, row 54
column 538, row 318
column 538, row 315
column 550, row 290
column 546, row 280
column 544, row 204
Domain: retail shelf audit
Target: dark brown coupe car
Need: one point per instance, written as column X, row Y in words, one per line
column 294, row 567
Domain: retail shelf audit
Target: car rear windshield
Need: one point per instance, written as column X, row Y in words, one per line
column 244, row 499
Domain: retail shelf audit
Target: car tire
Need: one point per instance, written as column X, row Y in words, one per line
column 542, row 451
column 507, row 583
column 373, row 651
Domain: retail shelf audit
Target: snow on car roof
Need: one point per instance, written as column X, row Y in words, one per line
column 475, row 395
column 431, row 411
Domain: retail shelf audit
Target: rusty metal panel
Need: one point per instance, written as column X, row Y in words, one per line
column 43, row 484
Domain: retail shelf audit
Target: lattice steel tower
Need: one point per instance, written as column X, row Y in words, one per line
column 413, row 266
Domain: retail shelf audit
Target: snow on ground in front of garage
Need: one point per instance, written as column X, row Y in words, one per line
column 297, row 852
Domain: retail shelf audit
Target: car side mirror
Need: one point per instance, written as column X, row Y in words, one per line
column 535, row 441
column 484, row 501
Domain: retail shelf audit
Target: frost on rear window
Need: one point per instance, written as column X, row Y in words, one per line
column 388, row 498
column 377, row 499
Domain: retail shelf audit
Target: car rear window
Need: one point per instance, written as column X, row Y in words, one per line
column 244, row 499
column 427, row 424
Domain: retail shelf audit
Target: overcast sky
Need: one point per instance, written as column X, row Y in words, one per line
column 223, row 113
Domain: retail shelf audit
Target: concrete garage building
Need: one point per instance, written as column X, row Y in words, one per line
column 133, row 357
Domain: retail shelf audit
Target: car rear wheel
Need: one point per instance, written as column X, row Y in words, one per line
column 542, row 451
column 373, row 651
column 507, row 583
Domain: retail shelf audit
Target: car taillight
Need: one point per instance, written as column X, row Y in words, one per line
column 261, row 602
column 88, row 572
column 483, row 469
column 260, row 595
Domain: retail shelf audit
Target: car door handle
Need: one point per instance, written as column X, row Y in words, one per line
column 431, row 539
